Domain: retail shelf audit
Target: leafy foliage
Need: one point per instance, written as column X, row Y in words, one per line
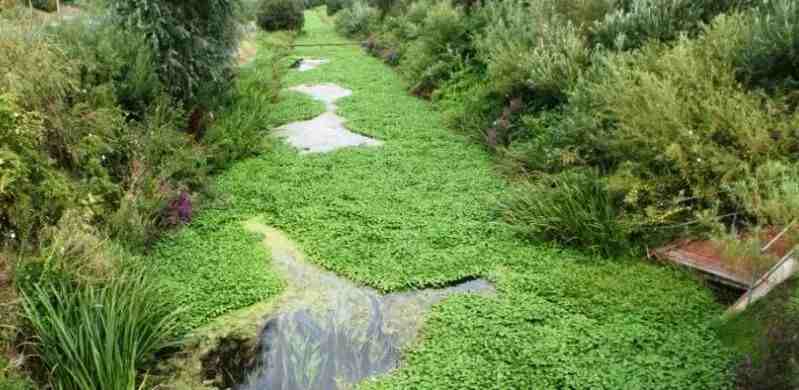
column 274, row 15
column 638, row 21
column 355, row 19
column 334, row 6
column 545, row 56
column 97, row 337
column 769, row 56
column 192, row 42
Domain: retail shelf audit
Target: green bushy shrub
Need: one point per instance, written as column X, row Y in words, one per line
column 274, row 15
column 529, row 48
column 468, row 102
column 112, row 145
column 384, row 6
column 98, row 336
column 355, row 20
column 333, row 6
column 635, row 22
column 677, row 126
column 572, row 207
column 770, row 56
column 771, row 193
column 192, row 43
column 443, row 40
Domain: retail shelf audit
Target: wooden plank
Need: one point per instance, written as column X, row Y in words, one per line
column 709, row 266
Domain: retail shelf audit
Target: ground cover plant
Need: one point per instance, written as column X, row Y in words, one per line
column 395, row 217
column 616, row 94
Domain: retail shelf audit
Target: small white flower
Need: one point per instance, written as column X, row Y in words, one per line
column 699, row 160
column 13, row 235
column 103, row 157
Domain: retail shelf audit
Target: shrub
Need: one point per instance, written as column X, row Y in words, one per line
column 95, row 132
column 384, row 6
column 110, row 57
column 443, row 40
column 333, row 6
column 274, row 15
column 770, row 193
column 770, row 56
column 677, row 128
column 33, row 194
column 192, row 42
column 45, row 5
column 467, row 102
column 98, row 337
column 639, row 21
column 356, row 19
column 532, row 49
column 572, row 207
column 309, row 4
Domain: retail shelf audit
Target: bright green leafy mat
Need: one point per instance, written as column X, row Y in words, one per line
column 417, row 212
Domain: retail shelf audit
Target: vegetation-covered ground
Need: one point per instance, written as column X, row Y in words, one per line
column 418, row 212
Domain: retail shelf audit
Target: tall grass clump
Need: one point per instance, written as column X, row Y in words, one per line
column 98, row 336
column 333, row 6
column 573, row 208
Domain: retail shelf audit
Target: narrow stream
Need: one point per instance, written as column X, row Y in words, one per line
column 331, row 333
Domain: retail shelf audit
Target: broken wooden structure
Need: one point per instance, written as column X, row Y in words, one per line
column 708, row 258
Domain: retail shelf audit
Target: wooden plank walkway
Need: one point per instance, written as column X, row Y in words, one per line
column 707, row 257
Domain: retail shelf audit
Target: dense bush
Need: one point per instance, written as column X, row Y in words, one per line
column 274, row 15
column 443, row 37
column 309, row 4
column 770, row 58
column 334, row 6
column 192, row 43
column 355, row 19
column 527, row 48
column 678, row 126
column 638, row 21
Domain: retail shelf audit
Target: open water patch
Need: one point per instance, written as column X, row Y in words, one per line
column 326, row 132
column 330, row 333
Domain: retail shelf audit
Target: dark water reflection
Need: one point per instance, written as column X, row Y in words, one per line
column 331, row 333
